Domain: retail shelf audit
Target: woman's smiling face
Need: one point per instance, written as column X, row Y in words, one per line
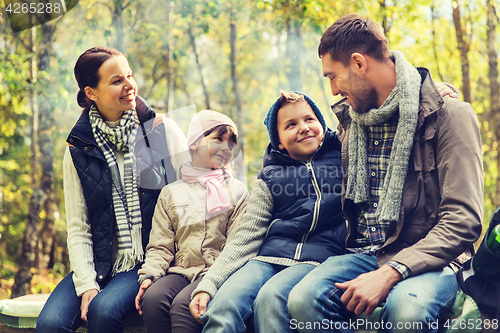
column 116, row 90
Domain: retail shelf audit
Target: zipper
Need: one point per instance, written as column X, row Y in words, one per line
column 269, row 228
column 312, row 176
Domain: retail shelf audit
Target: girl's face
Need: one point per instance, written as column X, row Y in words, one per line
column 213, row 151
column 116, row 90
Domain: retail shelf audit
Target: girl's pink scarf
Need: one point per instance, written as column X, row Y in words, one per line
column 217, row 196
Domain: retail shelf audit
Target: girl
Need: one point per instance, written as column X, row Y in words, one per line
column 193, row 218
column 119, row 157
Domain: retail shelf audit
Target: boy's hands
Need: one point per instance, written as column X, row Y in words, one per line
column 142, row 289
column 198, row 305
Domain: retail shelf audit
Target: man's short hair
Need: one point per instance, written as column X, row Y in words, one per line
column 354, row 33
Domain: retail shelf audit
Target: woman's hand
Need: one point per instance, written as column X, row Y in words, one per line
column 198, row 305
column 87, row 297
column 144, row 285
column 444, row 90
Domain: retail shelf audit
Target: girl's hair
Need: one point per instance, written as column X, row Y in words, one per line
column 87, row 70
column 223, row 129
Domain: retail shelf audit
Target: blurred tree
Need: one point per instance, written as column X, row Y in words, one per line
column 43, row 188
column 494, row 110
column 14, row 145
column 463, row 47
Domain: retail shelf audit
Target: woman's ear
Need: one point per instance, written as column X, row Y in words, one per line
column 89, row 92
column 280, row 146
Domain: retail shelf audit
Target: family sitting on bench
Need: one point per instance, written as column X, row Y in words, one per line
column 338, row 222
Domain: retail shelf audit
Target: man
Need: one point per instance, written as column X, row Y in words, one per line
column 413, row 190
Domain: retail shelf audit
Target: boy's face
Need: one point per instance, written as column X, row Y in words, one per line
column 299, row 130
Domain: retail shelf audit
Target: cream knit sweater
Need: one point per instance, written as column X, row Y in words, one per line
column 80, row 248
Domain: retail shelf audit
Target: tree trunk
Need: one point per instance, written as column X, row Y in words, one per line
column 117, row 23
column 463, row 49
column 240, row 119
column 294, row 47
column 45, row 189
column 434, row 48
column 198, row 65
column 27, row 258
column 46, row 143
column 168, row 41
column 494, row 111
column 385, row 22
column 47, row 234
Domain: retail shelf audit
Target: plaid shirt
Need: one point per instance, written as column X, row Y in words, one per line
column 371, row 232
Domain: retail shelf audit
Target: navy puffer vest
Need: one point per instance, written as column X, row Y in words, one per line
column 155, row 172
column 308, row 223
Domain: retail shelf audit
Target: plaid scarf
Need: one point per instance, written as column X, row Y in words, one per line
column 125, row 200
column 405, row 97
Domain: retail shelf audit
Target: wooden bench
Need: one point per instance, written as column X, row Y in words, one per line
column 19, row 315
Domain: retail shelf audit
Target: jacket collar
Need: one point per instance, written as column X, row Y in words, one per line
column 430, row 101
column 83, row 130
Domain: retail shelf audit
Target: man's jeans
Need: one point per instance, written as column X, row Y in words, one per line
column 257, row 287
column 61, row 313
column 413, row 305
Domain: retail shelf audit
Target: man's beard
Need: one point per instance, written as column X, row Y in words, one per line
column 364, row 97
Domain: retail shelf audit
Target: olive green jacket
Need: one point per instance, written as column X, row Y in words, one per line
column 442, row 204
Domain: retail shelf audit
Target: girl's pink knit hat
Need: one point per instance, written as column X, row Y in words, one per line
column 204, row 121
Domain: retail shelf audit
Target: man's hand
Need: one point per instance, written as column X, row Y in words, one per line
column 367, row 291
column 144, row 285
column 198, row 305
column 87, row 297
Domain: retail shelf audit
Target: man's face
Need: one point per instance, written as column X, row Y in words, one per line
column 360, row 93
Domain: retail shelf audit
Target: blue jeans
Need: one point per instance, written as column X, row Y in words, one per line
column 413, row 305
column 257, row 287
column 106, row 312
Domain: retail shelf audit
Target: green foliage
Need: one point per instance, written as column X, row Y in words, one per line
column 14, row 151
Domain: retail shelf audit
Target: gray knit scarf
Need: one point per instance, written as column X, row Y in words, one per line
column 405, row 97
column 125, row 200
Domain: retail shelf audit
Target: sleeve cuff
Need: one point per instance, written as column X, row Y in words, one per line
column 402, row 269
column 143, row 277
column 80, row 290
column 206, row 286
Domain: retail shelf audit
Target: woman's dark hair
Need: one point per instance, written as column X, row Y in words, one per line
column 87, row 70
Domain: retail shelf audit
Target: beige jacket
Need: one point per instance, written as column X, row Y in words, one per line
column 186, row 239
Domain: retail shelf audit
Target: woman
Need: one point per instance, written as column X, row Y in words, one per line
column 120, row 155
